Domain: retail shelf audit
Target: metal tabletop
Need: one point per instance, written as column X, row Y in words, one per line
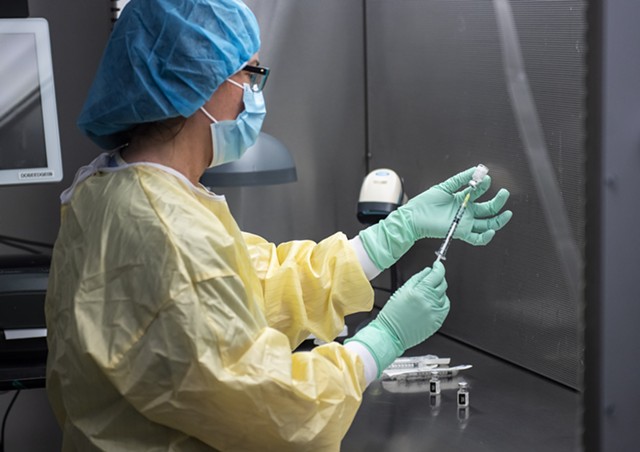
column 510, row 409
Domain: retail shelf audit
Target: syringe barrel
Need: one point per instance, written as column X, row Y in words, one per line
column 442, row 252
column 478, row 175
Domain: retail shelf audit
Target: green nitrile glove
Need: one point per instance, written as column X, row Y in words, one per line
column 413, row 313
column 430, row 215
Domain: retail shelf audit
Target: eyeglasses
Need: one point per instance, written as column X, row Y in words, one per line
column 258, row 76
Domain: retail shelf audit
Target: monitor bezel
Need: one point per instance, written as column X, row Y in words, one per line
column 39, row 27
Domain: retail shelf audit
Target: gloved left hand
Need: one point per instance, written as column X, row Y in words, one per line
column 413, row 313
column 430, row 215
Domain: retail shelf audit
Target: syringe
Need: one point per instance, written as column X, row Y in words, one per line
column 478, row 175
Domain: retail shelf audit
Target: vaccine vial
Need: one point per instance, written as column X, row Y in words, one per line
column 463, row 394
column 478, row 175
column 434, row 384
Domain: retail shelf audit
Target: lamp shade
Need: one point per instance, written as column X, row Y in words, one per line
column 267, row 162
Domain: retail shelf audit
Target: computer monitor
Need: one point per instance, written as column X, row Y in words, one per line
column 29, row 138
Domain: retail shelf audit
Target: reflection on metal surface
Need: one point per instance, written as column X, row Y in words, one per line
column 532, row 135
column 463, row 417
column 406, row 386
column 435, row 400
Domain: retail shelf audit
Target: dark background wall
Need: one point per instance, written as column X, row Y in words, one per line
column 450, row 107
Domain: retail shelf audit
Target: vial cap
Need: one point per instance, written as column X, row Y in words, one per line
column 478, row 175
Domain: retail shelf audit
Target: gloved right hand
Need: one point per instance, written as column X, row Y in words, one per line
column 412, row 314
column 430, row 215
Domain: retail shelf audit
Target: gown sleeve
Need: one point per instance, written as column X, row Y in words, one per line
column 205, row 363
column 309, row 287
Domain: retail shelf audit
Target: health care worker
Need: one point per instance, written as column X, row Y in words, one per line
column 169, row 328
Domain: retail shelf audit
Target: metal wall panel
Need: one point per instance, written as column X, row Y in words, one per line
column 439, row 102
column 613, row 263
column 315, row 106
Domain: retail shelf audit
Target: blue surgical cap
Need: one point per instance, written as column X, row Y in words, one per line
column 164, row 59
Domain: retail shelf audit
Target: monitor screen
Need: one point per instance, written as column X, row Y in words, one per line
column 29, row 138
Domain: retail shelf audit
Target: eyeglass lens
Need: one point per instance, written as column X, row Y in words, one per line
column 257, row 76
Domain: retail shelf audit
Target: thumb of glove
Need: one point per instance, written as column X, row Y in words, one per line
column 435, row 276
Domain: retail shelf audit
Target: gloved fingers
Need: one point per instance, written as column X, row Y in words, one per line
column 432, row 289
column 458, row 181
column 429, row 283
column 435, row 277
column 428, row 277
column 418, row 277
column 493, row 206
column 443, row 306
column 496, row 223
column 440, row 290
column 477, row 239
column 431, row 197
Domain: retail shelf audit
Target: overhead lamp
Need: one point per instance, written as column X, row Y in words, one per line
column 267, row 162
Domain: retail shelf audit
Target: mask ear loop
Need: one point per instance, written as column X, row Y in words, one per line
column 208, row 115
column 215, row 121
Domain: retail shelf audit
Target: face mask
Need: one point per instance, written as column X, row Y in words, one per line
column 232, row 138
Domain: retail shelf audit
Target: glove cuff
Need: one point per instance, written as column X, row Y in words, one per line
column 383, row 347
column 388, row 240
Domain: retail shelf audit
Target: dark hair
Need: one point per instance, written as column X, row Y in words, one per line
column 158, row 131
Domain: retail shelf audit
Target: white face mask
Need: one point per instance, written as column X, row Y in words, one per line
column 231, row 138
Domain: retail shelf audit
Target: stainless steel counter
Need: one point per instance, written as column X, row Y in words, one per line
column 511, row 409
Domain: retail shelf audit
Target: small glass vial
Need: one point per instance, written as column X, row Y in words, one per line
column 434, row 384
column 463, row 394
